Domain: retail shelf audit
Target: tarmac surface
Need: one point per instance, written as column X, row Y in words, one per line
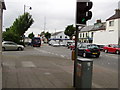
column 27, row 70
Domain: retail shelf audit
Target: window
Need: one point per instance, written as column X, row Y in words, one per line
column 111, row 23
column 60, row 36
column 92, row 34
column 86, row 34
column 83, row 35
column 80, row 35
column 65, row 36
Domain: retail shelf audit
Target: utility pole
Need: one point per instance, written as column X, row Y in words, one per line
column 44, row 24
column 55, row 33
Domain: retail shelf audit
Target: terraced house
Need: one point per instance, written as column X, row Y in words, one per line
column 102, row 33
column 111, row 34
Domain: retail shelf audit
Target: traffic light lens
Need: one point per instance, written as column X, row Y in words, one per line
column 83, row 19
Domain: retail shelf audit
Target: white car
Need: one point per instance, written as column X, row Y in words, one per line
column 8, row 45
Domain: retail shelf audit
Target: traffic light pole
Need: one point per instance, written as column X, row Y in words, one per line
column 76, row 52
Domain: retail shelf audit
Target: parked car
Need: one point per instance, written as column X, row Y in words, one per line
column 70, row 42
column 72, row 46
column 55, row 44
column 87, row 49
column 8, row 45
column 101, row 47
column 112, row 48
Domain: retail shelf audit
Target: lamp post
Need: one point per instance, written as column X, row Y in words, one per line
column 27, row 6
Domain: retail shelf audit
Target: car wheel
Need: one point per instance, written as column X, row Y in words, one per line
column 117, row 52
column 20, row 49
column 3, row 48
column 106, row 51
column 84, row 55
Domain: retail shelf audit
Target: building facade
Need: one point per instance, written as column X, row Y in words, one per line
column 86, row 35
column 59, row 35
column 111, row 34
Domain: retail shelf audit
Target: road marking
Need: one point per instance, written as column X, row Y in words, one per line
column 28, row 64
column 47, row 73
column 96, row 85
column 62, row 55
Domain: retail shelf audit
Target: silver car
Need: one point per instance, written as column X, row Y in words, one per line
column 8, row 45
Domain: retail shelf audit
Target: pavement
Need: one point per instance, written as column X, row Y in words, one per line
column 39, row 71
column 36, row 72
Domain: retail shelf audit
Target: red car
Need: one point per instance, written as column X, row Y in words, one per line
column 113, row 48
column 72, row 46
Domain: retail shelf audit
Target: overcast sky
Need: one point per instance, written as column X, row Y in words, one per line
column 57, row 14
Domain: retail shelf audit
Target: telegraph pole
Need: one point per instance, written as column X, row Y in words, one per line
column 44, row 24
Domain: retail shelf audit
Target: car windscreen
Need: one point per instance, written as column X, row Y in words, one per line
column 37, row 40
column 117, row 46
column 92, row 47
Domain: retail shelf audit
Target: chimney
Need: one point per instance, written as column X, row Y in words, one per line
column 117, row 12
column 98, row 21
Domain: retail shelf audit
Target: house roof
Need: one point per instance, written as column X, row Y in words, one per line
column 87, row 28
column 56, row 33
column 115, row 16
column 99, row 26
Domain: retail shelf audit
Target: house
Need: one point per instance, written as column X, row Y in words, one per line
column 86, row 35
column 60, row 37
column 112, row 32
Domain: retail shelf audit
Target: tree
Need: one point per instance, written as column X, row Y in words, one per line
column 22, row 23
column 20, row 26
column 31, row 35
column 47, row 35
column 42, row 33
column 69, row 31
column 10, row 36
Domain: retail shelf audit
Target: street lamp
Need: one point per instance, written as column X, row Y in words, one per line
column 25, row 7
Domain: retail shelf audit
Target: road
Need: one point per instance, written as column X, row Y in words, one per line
column 105, row 68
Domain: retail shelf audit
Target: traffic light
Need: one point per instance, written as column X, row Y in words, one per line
column 82, row 13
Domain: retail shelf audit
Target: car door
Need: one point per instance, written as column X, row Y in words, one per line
column 113, row 48
column 109, row 48
column 6, row 46
column 81, row 49
column 12, row 46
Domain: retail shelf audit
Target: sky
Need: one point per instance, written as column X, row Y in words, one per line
column 54, row 15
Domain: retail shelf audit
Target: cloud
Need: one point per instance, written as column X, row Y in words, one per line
column 58, row 13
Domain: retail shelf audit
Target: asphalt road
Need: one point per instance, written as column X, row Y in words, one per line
column 105, row 68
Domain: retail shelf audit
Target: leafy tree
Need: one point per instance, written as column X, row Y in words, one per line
column 47, row 35
column 42, row 33
column 69, row 31
column 10, row 36
column 31, row 35
column 22, row 23
column 20, row 26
